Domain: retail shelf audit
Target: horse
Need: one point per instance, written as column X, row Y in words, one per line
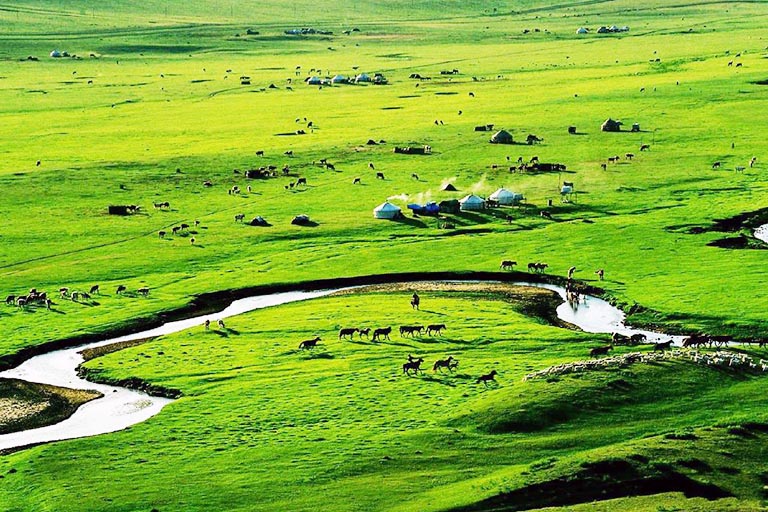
column 10, row 299
column 207, row 324
column 620, row 339
column 435, row 328
column 645, row 147
column 414, row 365
column 600, row 351
column 307, row 344
column 366, row 332
column 142, row 291
column 94, row 289
column 444, row 363
column 600, row 273
column 220, row 323
column 380, row 175
column 382, row 332
column 348, row 332
column 661, row 347
column 415, row 301
column 487, row 377
column 638, row 338
column 507, row 265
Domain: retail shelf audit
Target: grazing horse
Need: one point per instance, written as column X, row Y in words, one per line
column 444, row 363
column 10, row 299
column 239, row 217
column 380, row 175
column 207, row 324
column 600, row 273
column 487, row 377
column 307, row 344
column 348, row 332
column 143, row 291
column 645, row 147
column 366, row 332
column 220, row 323
column 161, row 234
column 121, row 288
column 571, row 271
column 260, row 153
column 301, row 181
column 356, row 181
column 545, row 214
column 415, row 176
column 507, row 265
column 94, row 290
column 382, row 332
column 620, row 339
column 638, row 338
column 661, row 347
column 600, row 351
column 435, row 328
column 696, row 340
column 716, row 165
column 413, row 364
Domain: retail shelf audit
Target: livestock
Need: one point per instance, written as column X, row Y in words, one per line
column 600, row 351
column 435, row 329
column 568, row 184
column 301, row 181
column 121, row 288
column 410, row 329
column 487, row 378
column 307, row 344
column 239, row 217
column 164, row 204
column 571, row 270
column 507, row 265
column 21, row 302
column 620, row 339
column 739, row 168
column 600, row 273
column 752, row 161
column 330, row 166
column 414, row 365
column 176, row 229
column 572, row 130
column 629, row 156
column 660, row 347
column 207, row 324
column 380, row 175
column 10, row 299
column 444, row 363
column 366, row 332
column 348, row 332
column 94, row 290
column 142, row 291
column 415, row 176
column 207, row 183
column 192, row 241
column 161, row 234
column 638, row 337
column 613, row 159
column 645, row 147
column 716, row 165
column 184, row 227
column 545, row 214
column 415, row 301
column 603, row 166
column 382, row 332
column 220, row 323
column 288, row 153
column 356, row 181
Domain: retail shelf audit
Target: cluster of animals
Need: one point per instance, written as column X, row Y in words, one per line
column 629, row 156
column 384, row 332
column 36, row 298
column 182, row 229
column 722, row 359
column 738, row 168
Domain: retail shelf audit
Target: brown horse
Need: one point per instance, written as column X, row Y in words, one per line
column 307, row 344
column 382, row 332
column 449, row 363
column 414, row 365
column 600, row 351
column 487, row 377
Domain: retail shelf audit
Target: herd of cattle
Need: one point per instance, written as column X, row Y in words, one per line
column 37, row 298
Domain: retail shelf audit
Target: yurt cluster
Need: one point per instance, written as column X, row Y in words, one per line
column 362, row 78
column 470, row 202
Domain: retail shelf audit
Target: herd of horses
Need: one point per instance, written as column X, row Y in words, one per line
column 36, row 298
column 384, row 332
column 693, row 341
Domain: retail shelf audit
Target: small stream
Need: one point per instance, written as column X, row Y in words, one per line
column 122, row 407
column 762, row 233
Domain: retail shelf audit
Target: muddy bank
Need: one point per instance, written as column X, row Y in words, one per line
column 26, row 405
column 212, row 302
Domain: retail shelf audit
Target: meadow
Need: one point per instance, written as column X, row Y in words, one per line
column 155, row 107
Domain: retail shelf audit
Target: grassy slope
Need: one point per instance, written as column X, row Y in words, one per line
column 265, row 426
column 55, row 231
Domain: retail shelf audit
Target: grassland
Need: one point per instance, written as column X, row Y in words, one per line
column 155, row 113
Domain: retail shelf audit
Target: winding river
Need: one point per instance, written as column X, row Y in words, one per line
column 122, row 407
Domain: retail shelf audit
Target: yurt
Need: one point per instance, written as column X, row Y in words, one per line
column 609, row 125
column 501, row 137
column 386, row 210
column 339, row 79
column 314, row 80
column 362, row 77
column 582, row 30
column 471, row 202
column 55, row 54
column 505, row 197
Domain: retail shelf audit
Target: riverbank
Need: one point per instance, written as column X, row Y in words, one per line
column 28, row 405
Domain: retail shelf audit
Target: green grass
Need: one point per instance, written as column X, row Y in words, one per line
column 161, row 99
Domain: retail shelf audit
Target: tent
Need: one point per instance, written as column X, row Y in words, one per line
column 449, row 206
column 386, row 210
column 339, row 79
column 504, row 196
column 301, row 220
column 501, row 137
column 362, row 77
column 431, row 208
column 55, row 54
column 314, row 80
column 582, row 30
column 566, row 189
column 471, row 202
column 609, row 125
column 449, row 188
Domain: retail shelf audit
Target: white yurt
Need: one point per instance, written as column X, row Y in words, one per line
column 471, row 202
column 55, row 54
column 362, row 77
column 339, row 79
column 386, row 210
column 314, row 80
column 582, row 30
column 506, row 197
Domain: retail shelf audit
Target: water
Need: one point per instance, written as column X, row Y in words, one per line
column 120, row 407
column 762, row 233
